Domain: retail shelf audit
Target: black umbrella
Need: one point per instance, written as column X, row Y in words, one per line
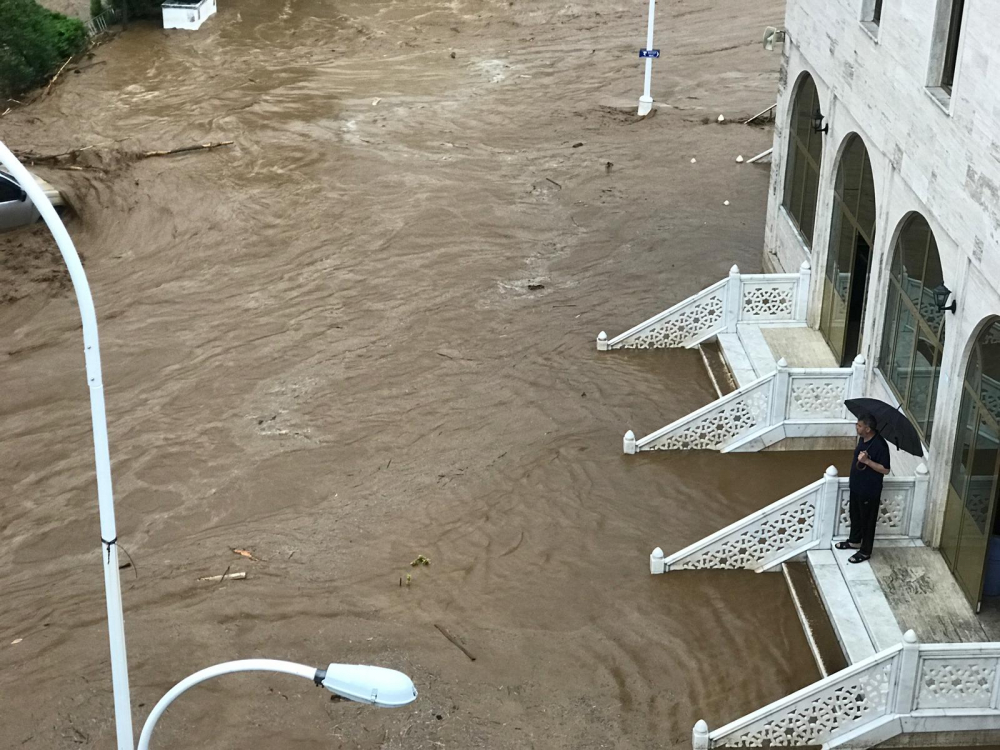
column 891, row 423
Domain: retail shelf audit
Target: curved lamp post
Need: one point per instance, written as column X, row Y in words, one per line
column 105, row 500
column 375, row 685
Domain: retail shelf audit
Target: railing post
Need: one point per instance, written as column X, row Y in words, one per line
column 602, row 342
column 656, row 564
column 734, row 299
column 856, row 388
column 628, row 444
column 699, row 736
column 828, row 507
column 801, row 310
column 779, row 394
column 909, row 668
column 921, row 487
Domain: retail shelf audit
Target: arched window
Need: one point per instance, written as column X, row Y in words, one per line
column 805, row 154
column 848, row 260
column 913, row 337
column 970, row 516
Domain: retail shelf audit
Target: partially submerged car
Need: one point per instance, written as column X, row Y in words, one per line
column 15, row 208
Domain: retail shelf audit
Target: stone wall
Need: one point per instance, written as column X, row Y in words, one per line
column 935, row 155
column 72, row 8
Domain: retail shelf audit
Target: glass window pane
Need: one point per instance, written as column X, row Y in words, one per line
column 983, row 473
column 902, row 359
column 963, row 443
column 804, row 155
column 810, row 192
column 889, row 331
column 913, row 248
column 989, row 355
column 866, row 202
column 933, row 400
column 849, row 174
column 922, row 379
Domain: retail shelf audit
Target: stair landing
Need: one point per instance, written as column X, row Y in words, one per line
column 754, row 350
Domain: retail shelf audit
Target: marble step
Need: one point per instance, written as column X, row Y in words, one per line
column 840, row 606
column 816, row 624
column 736, row 359
column 875, row 611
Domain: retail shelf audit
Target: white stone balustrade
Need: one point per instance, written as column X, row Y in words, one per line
column 758, row 298
column 907, row 689
column 810, row 518
column 790, row 402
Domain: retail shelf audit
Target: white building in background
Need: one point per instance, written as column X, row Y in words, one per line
column 883, row 250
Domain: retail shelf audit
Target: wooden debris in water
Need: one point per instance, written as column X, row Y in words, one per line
column 185, row 149
column 455, row 642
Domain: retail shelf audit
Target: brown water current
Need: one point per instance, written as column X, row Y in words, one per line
column 365, row 332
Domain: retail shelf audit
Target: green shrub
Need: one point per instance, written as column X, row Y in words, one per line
column 34, row 42
column 71, row 37
column 96, row 8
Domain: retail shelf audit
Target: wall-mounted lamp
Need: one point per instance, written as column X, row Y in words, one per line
column 818, row 126
column 941, row 294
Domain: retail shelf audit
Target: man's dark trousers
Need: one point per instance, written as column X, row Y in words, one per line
column 864, row 517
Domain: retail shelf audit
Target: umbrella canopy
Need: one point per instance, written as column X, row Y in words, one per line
column 892, row 424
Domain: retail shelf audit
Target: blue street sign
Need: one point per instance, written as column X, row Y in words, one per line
column 649, row 53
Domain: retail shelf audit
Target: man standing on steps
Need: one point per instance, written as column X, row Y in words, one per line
column 871, row 463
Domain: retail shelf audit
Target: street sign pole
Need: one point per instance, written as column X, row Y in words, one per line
column 646, row 100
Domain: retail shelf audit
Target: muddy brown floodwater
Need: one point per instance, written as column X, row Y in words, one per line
column 365, row 332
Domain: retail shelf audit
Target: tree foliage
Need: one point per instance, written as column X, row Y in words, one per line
column 34, row 42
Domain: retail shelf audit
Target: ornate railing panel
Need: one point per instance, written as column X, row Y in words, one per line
column 773, row 532
column 722, row 421
column 956, row 681
column 758, row 298
column 818, row 394
column 768, row 297
column 820, row 712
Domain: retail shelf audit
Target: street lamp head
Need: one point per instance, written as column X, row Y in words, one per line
column 382, row 687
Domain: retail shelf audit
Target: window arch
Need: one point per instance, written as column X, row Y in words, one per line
column 805, row 155
column 970, row 517
column 848, row 260
column 913, row 337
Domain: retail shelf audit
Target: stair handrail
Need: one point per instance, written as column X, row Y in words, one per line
column 747, row 392
column 743, row 553
column 870, row 702
column 713, row 297
column 843, row 702
column 725, row 303
column 779, row 407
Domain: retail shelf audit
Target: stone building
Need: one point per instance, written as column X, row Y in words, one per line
column 886, row 177
column 882, row 252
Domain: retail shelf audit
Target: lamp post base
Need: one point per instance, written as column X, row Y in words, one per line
column 645, row 105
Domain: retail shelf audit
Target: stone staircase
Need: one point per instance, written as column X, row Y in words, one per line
column 787, row 385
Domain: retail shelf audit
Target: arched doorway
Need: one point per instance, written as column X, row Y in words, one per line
column 913, row 336
column 805, row 155
column 970, row 514
column 852, row 237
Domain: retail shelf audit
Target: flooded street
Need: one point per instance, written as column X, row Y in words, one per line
column 365, row 332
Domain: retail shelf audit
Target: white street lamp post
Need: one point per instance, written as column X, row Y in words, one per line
column 375, row 685
column 105, row 500
column 646, row 100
